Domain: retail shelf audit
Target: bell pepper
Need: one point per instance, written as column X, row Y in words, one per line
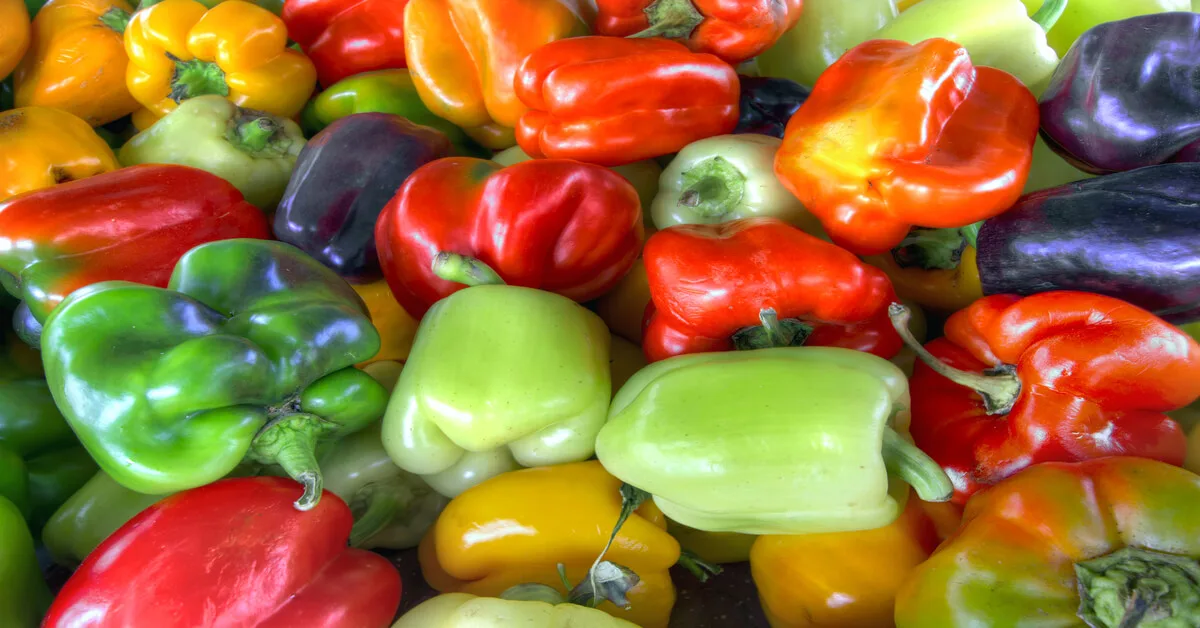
column 26, row 596
column 825, row 31
column 935, row 268
column 463, row 56
column 497, row 368
column 1192, row 461
column 623, row 308
column 1107, row 542
column 1115, row 79
column 1058, row 376
column 538, row 518
column 734, row 31
column 254, row 151
column 1049, row 169
column 1082, row 15
column 895, row 136
column 14, row 34
column 613, row 101
column 840, row 579
column 248, row 353
column 76, row 60
column 765, row 104
column 642, row 175
column 43, row 147
column 625, row 359
column 90, row 515
column 461, row 610
column 396, row 328
column 710, row 286
column 221, row 560
column 724, row 178
column 180, row 49
column 343, row 179
column 346, row 37
column 788, row 440
column 1131, row 235
column 713, row 547
column 130, row 225
column 552, row 224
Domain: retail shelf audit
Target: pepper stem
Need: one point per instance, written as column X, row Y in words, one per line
column 713, row 188
column 116, row 18
column 253, row 131
column 290, row 442
column 1048, row 14
column 999, row 388
column 465, row 270
column 906, row 461
column 196, row 78
column 381, row 509
column 1133, row 587
column 970, row 233
column 772, row 332
column 670, row 19
column 931, row 248
column 699, row 567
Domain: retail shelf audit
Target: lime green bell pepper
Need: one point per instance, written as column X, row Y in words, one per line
column 497, row 374
column 25, row 596
column 92, row 514
column 1081, row 15
column 825, row 31
column 791, row 440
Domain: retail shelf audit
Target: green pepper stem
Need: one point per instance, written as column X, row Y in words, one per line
column 772, row 332
column 381, row 509
column 714, row 188
column 998, row 388
column 1132, row 586
column 931, row 248
column 906, row 461
column 290, row 442
column 1047, row 16
column 252, row 131
column 698, row 567
column 196, row 78
column 116, row 18
column 670, row 19
column 465, row 270
column 970, row 233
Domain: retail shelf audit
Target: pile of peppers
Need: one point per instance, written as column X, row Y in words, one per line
column 595, row 313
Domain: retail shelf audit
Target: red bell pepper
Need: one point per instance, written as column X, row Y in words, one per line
column 552, row 224
column 759, row 282
column 347, row 37
column 895, row 135
column 613, row 101
column 232, row 553
column 734, row 31
column 1055, row 377
column 131, row 224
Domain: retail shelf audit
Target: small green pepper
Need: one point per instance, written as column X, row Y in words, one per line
column 25, row 596
column 92, row 514
column 825, row 31
column 254, row 151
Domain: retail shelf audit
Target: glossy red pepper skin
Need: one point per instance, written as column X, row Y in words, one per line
column 1097, row 376
column 551, row 224
column 613, row 101
column 347, row 37
column 232, row 553
column 709, row 281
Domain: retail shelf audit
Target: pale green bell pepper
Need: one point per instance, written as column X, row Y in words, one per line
column 825, row 31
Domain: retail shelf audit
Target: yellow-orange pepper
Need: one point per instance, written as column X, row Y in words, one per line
column 840, row 580
column 14, row 34
column 940, row 290
column 463, row 56
column 516, row 527
column 396, row 328
column 714, row 547
column 624, row 359
column 76, row 60
column 41, row 147
column 624, row 307
column 180, row 49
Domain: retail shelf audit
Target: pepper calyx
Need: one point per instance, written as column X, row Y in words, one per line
column 289, row 440
column 702, row 569
column 376, row 505
column 713, row 188
column 772, row 332
column 465, row 270
column 196, row 78
column 257, row 133
column 907, row 462
column 1134, row 587
column 931, row 249
column 1047, row 16
column 670, row 19
column 116, row 18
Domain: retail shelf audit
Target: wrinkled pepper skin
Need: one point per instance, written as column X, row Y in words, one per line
column 254, row 151
column 552, row 224
column 14, row 35
column 343, row 179
column 129, row 225
column 765, row 104
column 26, row 596
column 396, row 327
column 302, row 571
column 458, row 610
column 42, row 147
column 1094, row 377
column 947, row 144
column 1131, row 235
column 1081, row 15
column 463, row 56
column 825, row 31
column 347, row 37
column 90, row 515
column 248, row 353
column 1014, row 562
column 538, row 518
column 180, row 49
column 1114, row 80
column 77, row 61
column 840, row 579
column 708, row 282
column 733, row 31
column 613, row 101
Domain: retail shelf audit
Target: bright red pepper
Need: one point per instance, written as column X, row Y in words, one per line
column 709, row 285
column 613, row 101
column 734, row 31
column 553, row 224
column 1058, row 376
column 347, row 37
column 232, row 553
column 895, row 135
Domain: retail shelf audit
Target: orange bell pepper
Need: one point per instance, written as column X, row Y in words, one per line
column 463, row 56
column 76, row 61
column 41, row 147
column 396, row 328
column 180, row 49
column 14, row 34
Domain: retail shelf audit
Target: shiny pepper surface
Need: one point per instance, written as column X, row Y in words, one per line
column 14, row 35
column 41, row 147
column 347, row 37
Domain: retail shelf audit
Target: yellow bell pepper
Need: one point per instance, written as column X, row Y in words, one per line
column 516, row 527
column 624, row 307
column 14, row 34
column 714, row 547
column 462, row 610
column 180, row 49
column 41, row 147
column 396, row 327
column 76, row 61
column 624, row 359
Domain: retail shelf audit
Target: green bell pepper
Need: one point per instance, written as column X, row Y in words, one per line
column 825, row 31
column 791, row 440
column 92, row 514
column 248, row 353
column 25, row 596
column 497, row 374
column 1081, row 15
column 254, row 151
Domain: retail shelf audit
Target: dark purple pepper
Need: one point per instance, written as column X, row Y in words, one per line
column 766, row 104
